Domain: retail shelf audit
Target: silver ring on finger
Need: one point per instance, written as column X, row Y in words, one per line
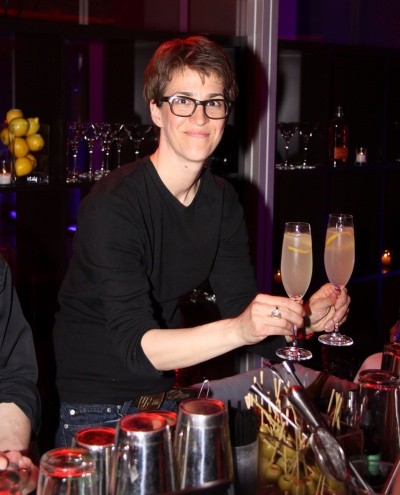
column 276, row 313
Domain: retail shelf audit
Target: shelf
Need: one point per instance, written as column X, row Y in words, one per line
column 313, row 79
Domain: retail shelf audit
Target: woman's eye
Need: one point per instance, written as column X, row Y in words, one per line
column 181, row 101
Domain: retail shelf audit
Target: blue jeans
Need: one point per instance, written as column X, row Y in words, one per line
column 74, row 417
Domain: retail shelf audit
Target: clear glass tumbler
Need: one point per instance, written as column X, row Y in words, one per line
column 67, row 471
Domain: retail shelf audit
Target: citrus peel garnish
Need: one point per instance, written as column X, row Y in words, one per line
column 331, row 238
column 298, row 250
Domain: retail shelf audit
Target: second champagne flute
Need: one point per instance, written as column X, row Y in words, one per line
column 339, row 263
column 296, row 271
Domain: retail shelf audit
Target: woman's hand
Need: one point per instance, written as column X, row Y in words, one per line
column 326, row 308
column 14, row 460
column 269, row 315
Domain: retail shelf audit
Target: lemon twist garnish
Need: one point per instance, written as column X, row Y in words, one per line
column 334, row 236
column 331, row 238
column 298, row 250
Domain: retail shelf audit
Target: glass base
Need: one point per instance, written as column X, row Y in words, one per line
column 285, row 166
column 294, row 353
column 88, row 176
column 336, row 339
column 307, row 166
column 72, row 178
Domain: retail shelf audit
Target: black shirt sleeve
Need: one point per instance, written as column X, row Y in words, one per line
column 18, row 366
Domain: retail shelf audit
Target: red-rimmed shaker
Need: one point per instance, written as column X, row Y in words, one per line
column 142, row 462
column 99, row 441
column 202, row 447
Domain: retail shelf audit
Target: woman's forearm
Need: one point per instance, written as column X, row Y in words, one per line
column 15, row 428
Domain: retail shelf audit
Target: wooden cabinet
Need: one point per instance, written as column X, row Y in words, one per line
column 364, row 82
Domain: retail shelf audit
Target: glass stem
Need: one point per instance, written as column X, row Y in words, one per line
column 286, row 153
column 90, row 169
column 294, row 337
column 336, row 327
column 305, row 157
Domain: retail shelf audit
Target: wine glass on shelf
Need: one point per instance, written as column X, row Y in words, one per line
column 287, row 131
column 339, row 256
column 306, row 131
column 296, row 271
column 137, row 134
column 90, row 136
column 74, row 137
column 119, row 136
column 104, row 131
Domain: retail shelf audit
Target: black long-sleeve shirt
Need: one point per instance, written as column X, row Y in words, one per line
column 137, row 251
column 18, row 366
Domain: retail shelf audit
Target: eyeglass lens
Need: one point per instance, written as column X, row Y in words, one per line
column 185, row 107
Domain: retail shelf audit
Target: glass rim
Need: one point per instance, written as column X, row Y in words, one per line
column 298, row 227
column 341, row 215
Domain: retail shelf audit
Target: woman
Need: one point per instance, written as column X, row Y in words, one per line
column 149, row 233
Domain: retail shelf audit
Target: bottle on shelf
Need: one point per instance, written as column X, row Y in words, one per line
column 338, row 137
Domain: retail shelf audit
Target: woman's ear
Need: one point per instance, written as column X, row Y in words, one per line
column 155, row 112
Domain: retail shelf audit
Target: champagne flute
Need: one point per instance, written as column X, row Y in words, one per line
column 339, row 263
column 296, row 271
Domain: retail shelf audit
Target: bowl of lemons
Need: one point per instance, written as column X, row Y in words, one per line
column 26, row 140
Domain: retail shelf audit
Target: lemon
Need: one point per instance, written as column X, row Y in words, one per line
column 32, row 159
column 13, row 113
column 35, row 142
column 298, row 250
column 23, row 166
column 19, row 147
column 18, row 126
column 5, row 136
column 34, row 125
column 331, row 238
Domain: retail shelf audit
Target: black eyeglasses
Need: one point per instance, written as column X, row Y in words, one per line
column 183, row 106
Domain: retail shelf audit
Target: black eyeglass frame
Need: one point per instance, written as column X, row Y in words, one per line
column 203, row 103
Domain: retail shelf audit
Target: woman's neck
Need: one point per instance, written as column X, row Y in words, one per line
column 182, row 181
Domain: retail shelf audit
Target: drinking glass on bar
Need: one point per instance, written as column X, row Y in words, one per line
column 67, row 471
column 296, row 271
column 339, row 256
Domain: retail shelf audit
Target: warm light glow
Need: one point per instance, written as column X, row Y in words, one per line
column 386, row 259
column 277, row 276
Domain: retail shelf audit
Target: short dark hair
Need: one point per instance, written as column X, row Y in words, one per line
column 197, row 53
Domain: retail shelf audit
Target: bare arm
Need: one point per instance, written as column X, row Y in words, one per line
column 15, row 435
column 15, row 428
column 170, row 349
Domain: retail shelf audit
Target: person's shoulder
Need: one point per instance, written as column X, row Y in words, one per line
column 220, row 182
column 122, row 183
column 222, row 188
column 123, row 176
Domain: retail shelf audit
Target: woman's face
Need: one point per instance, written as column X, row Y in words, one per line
column 189, row 139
